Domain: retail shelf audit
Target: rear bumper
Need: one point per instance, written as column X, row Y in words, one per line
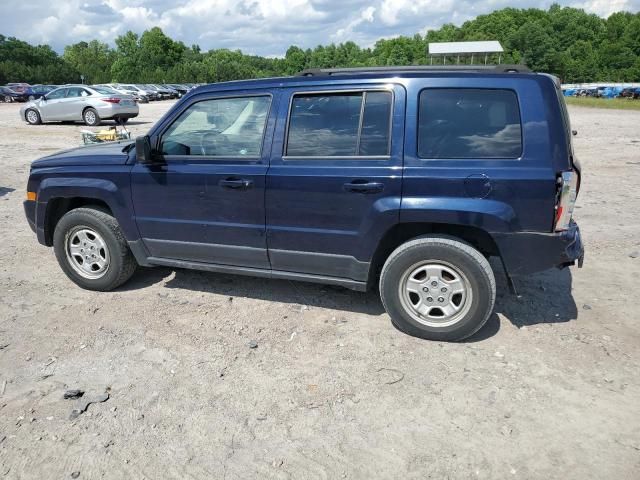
column 111, row 111
column 529, row 252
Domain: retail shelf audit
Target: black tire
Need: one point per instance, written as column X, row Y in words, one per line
column 91, row 117
column 32, row 117
column 31, row 98
column 464, row 260
column 7, row 99
column 121, row 265
column 121, row 121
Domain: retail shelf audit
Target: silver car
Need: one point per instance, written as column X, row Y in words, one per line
column 80, row 103
column 144, row 95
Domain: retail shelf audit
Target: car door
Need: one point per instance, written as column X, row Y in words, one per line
column 51, row 108
column 72, row 105
column 334, row 185
column 203, row 201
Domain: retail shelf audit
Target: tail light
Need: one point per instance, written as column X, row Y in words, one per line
column 111, row 100
column 567, row 192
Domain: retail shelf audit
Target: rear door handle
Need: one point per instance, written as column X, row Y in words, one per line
column 363, row 187
column 236, row 183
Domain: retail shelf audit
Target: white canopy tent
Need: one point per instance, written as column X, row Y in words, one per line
column 465, row 49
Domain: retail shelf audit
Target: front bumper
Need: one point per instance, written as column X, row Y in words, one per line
column 30, row 213
column 524, row 253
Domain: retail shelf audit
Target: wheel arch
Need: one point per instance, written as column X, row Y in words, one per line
column 34, row 108
column 87, row 108
column 57, row 207
column 400, row 233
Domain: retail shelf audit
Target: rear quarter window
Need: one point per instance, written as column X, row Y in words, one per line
column 466, row 123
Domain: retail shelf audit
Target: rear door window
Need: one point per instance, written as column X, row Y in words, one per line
column 76, row 92
column 340, row 124
column 465, row 123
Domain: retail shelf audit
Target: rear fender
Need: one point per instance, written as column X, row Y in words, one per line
column 488, row 215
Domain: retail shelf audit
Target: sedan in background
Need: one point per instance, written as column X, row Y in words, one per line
column 38, row 91
column 18, row 87
column 151, row 94
column 9, row 95
column 81, row 103
column 181, row 89
column 134, row 90
column 126, row 91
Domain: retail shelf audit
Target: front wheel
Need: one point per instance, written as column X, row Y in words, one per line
column 438, row 288
column 33, row 117
column 92, row 250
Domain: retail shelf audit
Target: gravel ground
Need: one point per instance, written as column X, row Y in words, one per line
column 550, row 388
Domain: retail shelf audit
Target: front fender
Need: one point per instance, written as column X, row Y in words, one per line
column 87, row 188
column 488, row 215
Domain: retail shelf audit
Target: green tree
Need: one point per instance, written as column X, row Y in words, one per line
column 93, row 60
column 573, row 44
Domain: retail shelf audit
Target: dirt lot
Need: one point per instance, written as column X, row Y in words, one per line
column 550, row 388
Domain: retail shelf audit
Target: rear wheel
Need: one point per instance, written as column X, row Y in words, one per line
column 91, row 117
column 121, row 121
column 438, row 288
column 33, row 117
column 92, row 250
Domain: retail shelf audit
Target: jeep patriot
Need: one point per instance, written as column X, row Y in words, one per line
column 402, row 178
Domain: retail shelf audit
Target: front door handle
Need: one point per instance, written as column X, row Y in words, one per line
column 363, row 187
column 236, row 183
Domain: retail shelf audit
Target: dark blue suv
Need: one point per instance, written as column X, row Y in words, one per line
column 406, row 178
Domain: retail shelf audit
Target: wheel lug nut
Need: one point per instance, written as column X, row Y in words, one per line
column 429, row 299
column 425, row 289
column 434, row 284
column 440, row 299
column 443, row 289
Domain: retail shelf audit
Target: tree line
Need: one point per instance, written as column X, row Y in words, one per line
column 568, row 42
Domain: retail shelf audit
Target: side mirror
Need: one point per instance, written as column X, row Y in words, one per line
column 143, row 150
column 44, row 98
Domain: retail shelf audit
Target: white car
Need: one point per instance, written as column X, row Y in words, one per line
column 140, row 95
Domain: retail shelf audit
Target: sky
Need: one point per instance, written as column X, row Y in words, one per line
column 261, row 27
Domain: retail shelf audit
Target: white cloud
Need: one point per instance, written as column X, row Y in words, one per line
column 265, row 27
column 345, row 33
column 392, row 12
column 604, row 8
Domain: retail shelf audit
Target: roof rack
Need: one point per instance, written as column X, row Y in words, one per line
column 315, row 72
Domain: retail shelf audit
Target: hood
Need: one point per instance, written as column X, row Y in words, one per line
column 111, row 153
column 31, row 103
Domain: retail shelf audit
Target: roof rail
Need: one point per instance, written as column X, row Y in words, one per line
column 315, row 72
